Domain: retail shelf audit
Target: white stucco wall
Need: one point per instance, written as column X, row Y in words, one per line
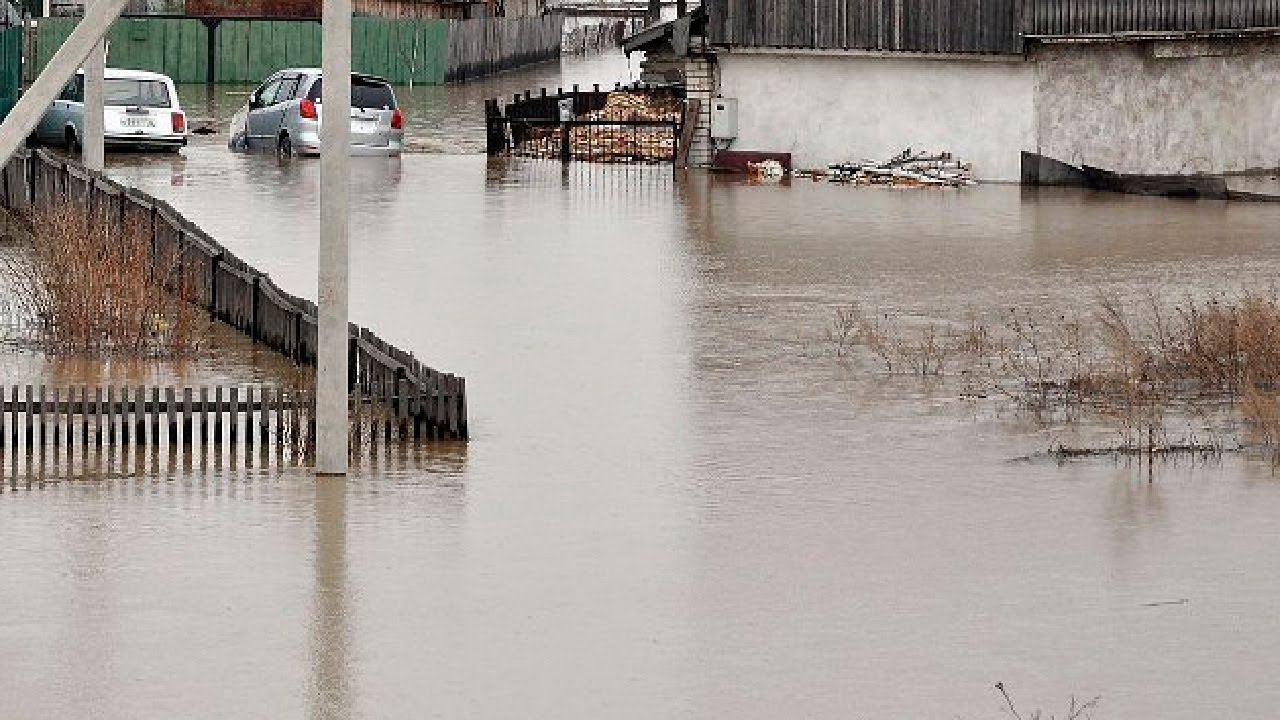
column 1209, row 107
column 840, row 107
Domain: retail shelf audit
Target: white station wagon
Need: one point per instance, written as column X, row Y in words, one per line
column 142, row 112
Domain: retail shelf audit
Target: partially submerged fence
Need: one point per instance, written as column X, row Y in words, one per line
column 241, row 296
column 632, row 124
column 404, row 50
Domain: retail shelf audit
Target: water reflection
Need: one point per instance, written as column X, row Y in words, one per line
column 331, row 693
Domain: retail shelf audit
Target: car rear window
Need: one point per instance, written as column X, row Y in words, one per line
column 137, row 93
column 365, row 93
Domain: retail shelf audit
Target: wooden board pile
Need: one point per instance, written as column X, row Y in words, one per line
column 623, row 143
column 641, row 133
column 906, row 169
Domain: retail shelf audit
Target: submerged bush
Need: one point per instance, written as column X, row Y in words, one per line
column 95, row 284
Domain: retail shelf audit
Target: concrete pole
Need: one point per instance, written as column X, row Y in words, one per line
column 31, row 106
column 335, row 160
column 94, row 154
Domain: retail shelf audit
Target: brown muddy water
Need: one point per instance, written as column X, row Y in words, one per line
column 677, row 502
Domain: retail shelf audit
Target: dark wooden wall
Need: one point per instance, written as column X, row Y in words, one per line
column 972, row 26
column 1101, row 17
column 981, row 26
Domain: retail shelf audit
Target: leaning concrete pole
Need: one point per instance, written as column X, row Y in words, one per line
column 94, row 154
column 335, row 130
column 26, row 113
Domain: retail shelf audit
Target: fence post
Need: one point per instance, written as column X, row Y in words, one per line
column 566, row 151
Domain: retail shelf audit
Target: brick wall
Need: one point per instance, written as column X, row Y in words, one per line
column 698, row 76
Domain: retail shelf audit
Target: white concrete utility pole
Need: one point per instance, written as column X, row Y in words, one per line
column 26, row 113
column 335, row 161
column 94, row 152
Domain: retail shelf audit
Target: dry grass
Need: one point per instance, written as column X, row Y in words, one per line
column 94, row 285
column 1133, row 363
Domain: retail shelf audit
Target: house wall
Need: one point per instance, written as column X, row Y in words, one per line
column 833, row 107
column 1160, row 108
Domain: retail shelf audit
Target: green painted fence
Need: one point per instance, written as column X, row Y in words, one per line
column 10, row 68
column 427, row 51
column 178, row 48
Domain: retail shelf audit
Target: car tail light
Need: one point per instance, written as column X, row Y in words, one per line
column 179, row 122
column 397, row 120
column 307, row 110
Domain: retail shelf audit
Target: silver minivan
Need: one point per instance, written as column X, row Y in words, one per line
column 284, row 115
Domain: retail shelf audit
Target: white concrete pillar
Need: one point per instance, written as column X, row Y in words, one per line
column 335, row 160
column 94, row 150
column 31, row 106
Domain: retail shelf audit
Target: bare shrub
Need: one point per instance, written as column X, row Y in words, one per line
column 1134, row 363
column 94, row 284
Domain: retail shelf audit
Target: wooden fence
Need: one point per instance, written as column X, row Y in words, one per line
column 241, row 296
column 968, row 26
column 404, row 50
column 10, row 67
column 36, row 416
column 1091, row 17
column 484, row 47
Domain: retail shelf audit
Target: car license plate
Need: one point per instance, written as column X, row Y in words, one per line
column 365, row 126
column 137, row 122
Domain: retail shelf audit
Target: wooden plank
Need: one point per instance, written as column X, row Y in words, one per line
column 217, row 416
column 280, row 435
column 111, row 415
column 28, row 419
column 154, row 414
column 40, row 419
column 264, row 415
column 202, row 418
column 171, row 413
column 249, row 431
column 85, row 409
column 139, row 415
column 186, row 416
column 234, row 420
column 97, row 417
column 402, row 409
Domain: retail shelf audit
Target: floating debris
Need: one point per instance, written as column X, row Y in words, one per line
column 906, row 169
column 765, row 171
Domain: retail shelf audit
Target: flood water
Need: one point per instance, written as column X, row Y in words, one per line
column 677, row 502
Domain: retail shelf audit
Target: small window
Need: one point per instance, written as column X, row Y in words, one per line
column 366, row 94
column 288, row 89
column 73, row 91
column 267, row 93
column 125, row 92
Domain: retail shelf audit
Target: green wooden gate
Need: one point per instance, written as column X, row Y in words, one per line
column 10, row 68
column 178, row 48
column 247, row 51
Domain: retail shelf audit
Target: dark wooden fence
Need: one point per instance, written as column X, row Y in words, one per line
column 241, row 296
column 967, row 26
column 1105, row 17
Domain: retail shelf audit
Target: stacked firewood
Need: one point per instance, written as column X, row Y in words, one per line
column 602, row 141
column 906, row 169
column 623, row 143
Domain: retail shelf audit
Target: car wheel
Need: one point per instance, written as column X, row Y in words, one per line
column 284, row 147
